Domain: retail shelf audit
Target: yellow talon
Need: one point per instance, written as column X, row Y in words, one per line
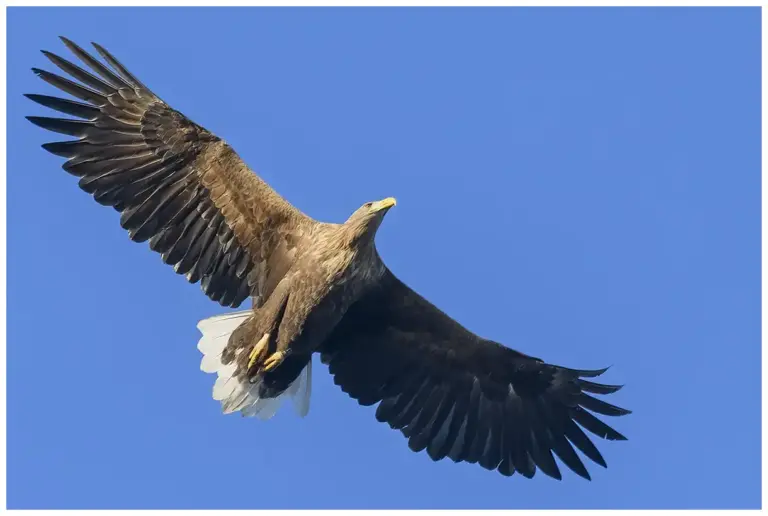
column 274, row 360
column 258, row 350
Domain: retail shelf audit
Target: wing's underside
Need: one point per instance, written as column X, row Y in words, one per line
column 456, row 395
column 174, row 183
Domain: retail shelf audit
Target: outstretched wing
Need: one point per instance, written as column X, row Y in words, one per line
column 174, row 183
column 460, row 396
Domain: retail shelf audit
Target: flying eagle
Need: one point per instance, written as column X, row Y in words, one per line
column 316, row 287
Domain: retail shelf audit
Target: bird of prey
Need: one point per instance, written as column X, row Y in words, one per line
column 315, row 287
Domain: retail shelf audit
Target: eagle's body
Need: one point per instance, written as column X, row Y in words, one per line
column 316, row 287
column 331, row 269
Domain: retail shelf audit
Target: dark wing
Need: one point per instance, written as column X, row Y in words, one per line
column 174, row 183
column 460, row 396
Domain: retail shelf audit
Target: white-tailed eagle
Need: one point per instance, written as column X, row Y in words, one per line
column 316, row 287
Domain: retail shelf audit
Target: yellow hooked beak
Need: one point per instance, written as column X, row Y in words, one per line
column 383, row 204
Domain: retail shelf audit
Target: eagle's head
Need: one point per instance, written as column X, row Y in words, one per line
column 365, row 221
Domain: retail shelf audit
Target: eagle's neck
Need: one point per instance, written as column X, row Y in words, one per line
column 357, row 235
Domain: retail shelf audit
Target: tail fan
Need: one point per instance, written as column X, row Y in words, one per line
column 234, row 394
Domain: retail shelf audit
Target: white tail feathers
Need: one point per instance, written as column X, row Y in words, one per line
column 233, row 394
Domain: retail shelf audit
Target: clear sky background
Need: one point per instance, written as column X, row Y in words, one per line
column 580, row 184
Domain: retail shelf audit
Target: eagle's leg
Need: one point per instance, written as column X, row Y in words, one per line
column 259, row 350
column 274, row 360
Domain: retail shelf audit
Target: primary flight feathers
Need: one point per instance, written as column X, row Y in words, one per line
column 449, row 391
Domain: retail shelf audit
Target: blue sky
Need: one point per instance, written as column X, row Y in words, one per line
column 580, row 184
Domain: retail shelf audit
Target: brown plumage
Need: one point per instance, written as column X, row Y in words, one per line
column 316, row 288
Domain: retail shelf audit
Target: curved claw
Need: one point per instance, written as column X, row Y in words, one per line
column 274, row 360
column 258, row 350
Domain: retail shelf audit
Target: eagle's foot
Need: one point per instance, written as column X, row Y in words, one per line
column 274, row 360
column 259, row 350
